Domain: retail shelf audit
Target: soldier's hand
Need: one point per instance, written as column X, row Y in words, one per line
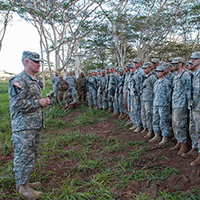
column 44, row 102
column 106, row 91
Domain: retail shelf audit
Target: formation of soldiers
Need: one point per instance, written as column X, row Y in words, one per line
column 158, row 99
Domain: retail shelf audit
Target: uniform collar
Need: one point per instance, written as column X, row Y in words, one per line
column 30, row 76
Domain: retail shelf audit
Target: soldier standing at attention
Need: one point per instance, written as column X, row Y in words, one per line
column 81, row 87
column 26, row 108
column 72, row 84
column 180, row 100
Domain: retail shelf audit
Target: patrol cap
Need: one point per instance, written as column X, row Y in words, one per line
column 48, row 95
column 170, row 59
column 52, row 92
column 121, row 70
column 154, row 60
column 56, row 72
column 99, row 70
column 145, row 65
column 103, row 71
column 110, row 68
column 70, row 72
column 195, row 55
column 60, row 76
column 166, row 65
column 178, row 60
column 132, row 66
column 107, row 68
column 128, row 64
column 136, row 60
column 160, row 69
column 189, row 62
column 89, row 72
column 94, row 71
column 117, row 69
column 31, row 55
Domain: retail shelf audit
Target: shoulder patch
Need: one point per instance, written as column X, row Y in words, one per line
column 18, row 85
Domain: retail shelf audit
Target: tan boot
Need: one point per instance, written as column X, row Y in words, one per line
column 127, row 117
column 149, row 134
column 145, row 131
column 138, row 129
column 177, row 146
column 156, row 138
column 120, row 116
column 129, row 123
column 31, row 185
column 124, row 116
column 183, row 149
column 196, row 162
column 133, row 128
column 109, row 111
column 115, row 114
column 192, row 153
column 164, row 141
column 26, row 192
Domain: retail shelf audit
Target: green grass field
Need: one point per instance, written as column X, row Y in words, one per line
column 77, row 163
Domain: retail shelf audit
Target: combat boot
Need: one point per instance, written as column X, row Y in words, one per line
column 129, row 123
column 115, row 114
column 183, row 149
column 196, row 162
column 31, row 185
column 164, row 141
column 124, row 116
column 138, row 129
column 177, row 146
column 133, row 128
column 127, row 117
column 192, row 153
column 149, row 134
column 156, row 138
column 109, row 111
column 26, row 192
column 120, row 116
column 144, row 131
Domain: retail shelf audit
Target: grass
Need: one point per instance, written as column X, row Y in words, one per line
column 83, row 165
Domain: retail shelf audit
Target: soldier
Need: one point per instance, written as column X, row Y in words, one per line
column 26, row 108
column 146, row 97
column 54, row 81
column 39, row 81
column 62, row 87
column 81, row 87
column 161, row 107
column 138, row 77
column 102, row 90
column 195, row 112
column 120, row 92
column 92, row 90
column 99, row 94
column 168, row 74
column 190, row 67
column 72, row 84
column 110, row 88
column 180, row 100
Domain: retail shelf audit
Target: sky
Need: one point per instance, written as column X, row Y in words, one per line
column 20, row 36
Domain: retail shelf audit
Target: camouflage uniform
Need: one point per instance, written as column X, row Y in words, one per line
column 111, row 87
column 99, row 95
column 102, row 91
column 126, row 93
column 138, row 77
column 116, row 103
column 54, row 81
column 81, row 85
column 120, row 92
column 147, row 100
column 161, row 103
column 72, row 86
column 62, row 87
column 27, row 121
column 180, row 95
column 92, row 91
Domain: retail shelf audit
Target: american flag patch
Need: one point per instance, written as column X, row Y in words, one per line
column 18, row 85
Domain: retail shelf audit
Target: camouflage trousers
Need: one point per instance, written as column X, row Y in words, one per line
column 110, row 100
column 104, row 99
column 26, row 148
column 82, row 94
column 137, row 111
column 92, row 97
column 124, row 101
column 131, row 113
column 73, row 91
column 194, row 130
column 99, row 98
column 161, row 120
column 115, row 103
column 62, row 94
column 120, row 98
column 180, row 124
column 55, row 90
column 147, row 114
